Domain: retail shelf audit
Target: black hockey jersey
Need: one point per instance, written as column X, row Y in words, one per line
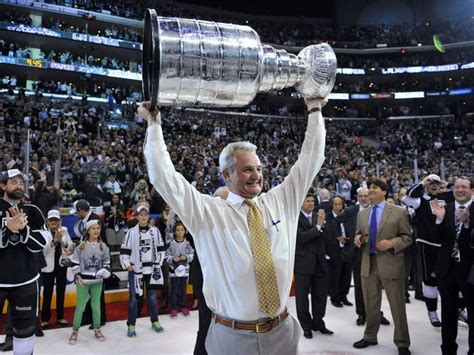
column 17, row 262
column 424, row 219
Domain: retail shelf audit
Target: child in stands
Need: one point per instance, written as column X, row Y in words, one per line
column 179, row 255
column 90, row 265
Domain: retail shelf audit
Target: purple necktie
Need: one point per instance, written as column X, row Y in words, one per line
column 373, row 230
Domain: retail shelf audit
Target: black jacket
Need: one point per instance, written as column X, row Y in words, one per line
column 446, row 236
column 310, row 247
column 348, row 218
column 424, row 219
column 17, row 264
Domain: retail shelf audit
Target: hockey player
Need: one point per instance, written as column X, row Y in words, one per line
column 23, row 233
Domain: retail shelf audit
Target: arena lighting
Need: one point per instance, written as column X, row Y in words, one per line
column 420, row 69
column 338, row 96
column 464, row 91
column 468, row 66
column 409, row 95
column 360, row 96
column 382, row 95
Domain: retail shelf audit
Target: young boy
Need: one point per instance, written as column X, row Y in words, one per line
column 142, row 254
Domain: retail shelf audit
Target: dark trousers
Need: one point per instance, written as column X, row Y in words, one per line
column 449, row 287
column 359, row 295
column 413, row 270
column 22, row 310
column 339, row 278
column 428, row 255
column 178, row 289
column 87, row 315
column 205, row 316
column 58, row 275
column 317, row 283
column 134, row 299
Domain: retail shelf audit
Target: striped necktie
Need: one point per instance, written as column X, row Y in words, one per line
column 457, row 226
column 267, row 285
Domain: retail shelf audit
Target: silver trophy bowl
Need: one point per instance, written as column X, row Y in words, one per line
column 190, row 62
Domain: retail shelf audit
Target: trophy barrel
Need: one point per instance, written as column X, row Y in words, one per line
column 199, row 63
column 190, row 62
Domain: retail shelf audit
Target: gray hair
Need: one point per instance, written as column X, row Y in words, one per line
column 226, row 158
column 324, row 195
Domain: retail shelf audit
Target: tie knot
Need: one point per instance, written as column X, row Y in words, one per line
column 374, row 207
column 249, row 202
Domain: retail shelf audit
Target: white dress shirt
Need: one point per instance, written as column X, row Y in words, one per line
column 220, row 228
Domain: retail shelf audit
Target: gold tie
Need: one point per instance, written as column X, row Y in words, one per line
column 267, row 286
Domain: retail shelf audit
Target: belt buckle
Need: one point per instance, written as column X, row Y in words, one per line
column 262, row 327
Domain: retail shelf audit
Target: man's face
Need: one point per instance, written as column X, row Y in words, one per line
column 82, row 214
column 363, row 198
column 462, row 190
column 376, row 194
column 246, row 180
column 433, row 187
column 14, row 188
column 308, row 204
column 337, row 205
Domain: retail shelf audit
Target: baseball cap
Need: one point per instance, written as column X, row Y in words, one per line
column 11, row 174
column 79, row 205
column 434, row 177
column 141, row 208
column 180, row 271
column 54, row 214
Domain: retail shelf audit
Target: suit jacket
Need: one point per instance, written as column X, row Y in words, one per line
column 50, row 249
column 394, row 226
column 445, row 234
column 348, row 218
column 310, row 247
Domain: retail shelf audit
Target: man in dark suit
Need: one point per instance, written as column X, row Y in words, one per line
column 311, row 269
column 385, row 231
column 455, row 264
column 340, row 262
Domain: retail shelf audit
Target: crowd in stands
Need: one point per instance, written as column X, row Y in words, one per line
column 66, row 57
column 91, row 154
column 406, row 59
column 124, row 33
column 300, row 34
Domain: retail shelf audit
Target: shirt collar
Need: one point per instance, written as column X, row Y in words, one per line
column 235, row 199
column 307, row 215
column 466, row 205
column 381, row 205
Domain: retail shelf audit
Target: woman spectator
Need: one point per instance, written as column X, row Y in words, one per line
column 56, row 254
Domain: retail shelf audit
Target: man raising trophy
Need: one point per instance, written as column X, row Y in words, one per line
column 246, row 243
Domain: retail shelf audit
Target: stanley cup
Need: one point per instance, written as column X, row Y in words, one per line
column 190, row 62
